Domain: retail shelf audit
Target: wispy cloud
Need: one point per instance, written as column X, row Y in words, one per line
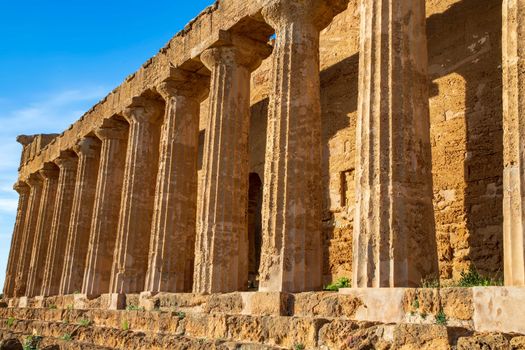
column 51, row 112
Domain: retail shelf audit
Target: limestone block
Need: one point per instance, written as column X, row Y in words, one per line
column 372, row 304
column 326, row 304
column 499, row 309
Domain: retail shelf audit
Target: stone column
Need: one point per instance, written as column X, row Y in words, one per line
column 28, row 238
column 394, row 241
column 291, row 257
column 14, row 253
column 88, row 152
column 130, row 263
column 513, row 138
column 104, row 224
column 172, row 245
column 43, row 227
column 221, row 261
column 67, row 163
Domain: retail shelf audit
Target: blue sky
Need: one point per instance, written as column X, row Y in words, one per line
column 58, row 58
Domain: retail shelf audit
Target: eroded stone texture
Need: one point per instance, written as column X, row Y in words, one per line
column 12, row 263
column 130, row 262
column 394, row 234
column 104, row 225
column 513, row 134
column 28, row 238
column 172, row 245
column 67, row 163
column 291, row 253
column 221, row 262
column 43, row 228
column 88, row 151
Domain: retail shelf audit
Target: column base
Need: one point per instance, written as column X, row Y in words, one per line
column 39, row 302
column 23, row 302
column 114, row 301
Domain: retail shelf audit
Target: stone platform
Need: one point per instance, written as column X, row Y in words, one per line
column 462, row 318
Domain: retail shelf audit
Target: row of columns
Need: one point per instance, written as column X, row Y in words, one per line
column 119, row 214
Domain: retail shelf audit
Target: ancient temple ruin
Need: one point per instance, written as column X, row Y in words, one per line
column 274, row 146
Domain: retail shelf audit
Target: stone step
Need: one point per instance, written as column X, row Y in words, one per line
column 161, row 330
column 15, row 341
column 112, row 338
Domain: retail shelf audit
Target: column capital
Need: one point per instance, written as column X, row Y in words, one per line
column 25, row 139
column 143, row 110
column 21, row 187
column 34, row 180
column 316, row 12
column 236, row 49
column 184, row 83
column 112, row 130
column 49, row 171
column 66, row 160
column 87, row 147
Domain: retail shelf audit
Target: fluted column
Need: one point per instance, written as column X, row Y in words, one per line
column 394, row 236
column 221, row 261
column 104, row 223
column 513, row 141
column 14, row 253
column 88, row 151
column 130, row 263
column 172, row 245
column 43, row 228
column 67, row 163
column 28, row 238
column 291, row 257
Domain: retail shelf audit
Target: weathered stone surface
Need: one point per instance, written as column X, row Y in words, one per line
column 88, row 152
column 291, row 212
column 394, row 234
column 303, row 99
column 12, row 263
column 43, row 228
column 130, row 262
column 28, row 237
column 67, row 164
column 174, row 216
column 104, row 225
column 513, row 110
column 221, row 261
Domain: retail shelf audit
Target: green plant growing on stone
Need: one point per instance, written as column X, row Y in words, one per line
column 69, row 307
column 342, row 282
column 181, row 315
column 441, row 318
column 10, row 322
column 430, row 281
column 84, row 322
column 415, row 304
column 298, row 346
column 66, row 337
column 132, row 307
column 52, row 307
column 32, row 342
column 125, row 325
column 472, row 278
